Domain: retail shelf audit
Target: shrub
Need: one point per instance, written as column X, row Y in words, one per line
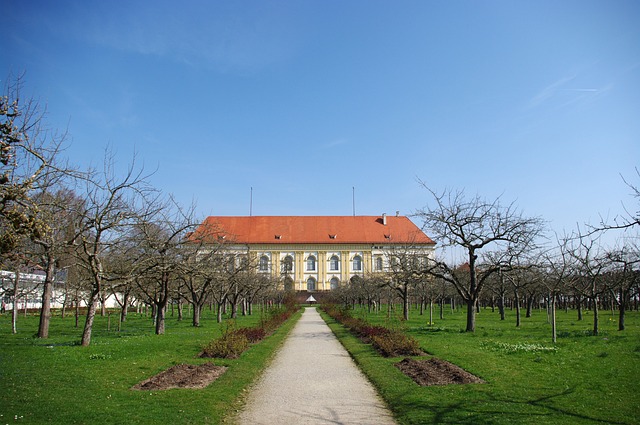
column 368, row 332
column 234, row 342
column 229, row 346
column 253, row 335
column 389, row 342
column 393, row 344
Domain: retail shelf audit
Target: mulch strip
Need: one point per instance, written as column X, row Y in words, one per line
column 435, row 371
column 182, row 376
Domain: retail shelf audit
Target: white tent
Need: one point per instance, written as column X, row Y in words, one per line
column 310, row 299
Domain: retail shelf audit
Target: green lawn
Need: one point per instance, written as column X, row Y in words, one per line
column 584, row 379
column 57, row 381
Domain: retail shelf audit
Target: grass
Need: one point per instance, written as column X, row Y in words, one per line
column 580, row 380
column 57, row 381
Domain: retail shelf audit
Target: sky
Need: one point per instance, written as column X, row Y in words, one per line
column 301, row 107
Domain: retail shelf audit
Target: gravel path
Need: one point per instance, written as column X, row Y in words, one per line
column 312, row 380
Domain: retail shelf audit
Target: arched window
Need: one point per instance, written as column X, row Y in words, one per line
column 357, row 263
column 311, row 263
column 263, row 266
column 335, row 283
column 311, row 284
column 334, row 263
column 379, row 264
column 287, row 264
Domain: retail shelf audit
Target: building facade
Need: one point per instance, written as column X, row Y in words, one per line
column 317, row 253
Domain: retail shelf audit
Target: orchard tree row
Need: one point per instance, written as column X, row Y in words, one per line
column 509, row 258
column 111, row 232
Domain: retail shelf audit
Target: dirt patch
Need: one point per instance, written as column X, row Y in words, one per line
column 182, row 376
column 436, row 372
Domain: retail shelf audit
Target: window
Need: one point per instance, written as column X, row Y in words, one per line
column 335, row 283
column 334, row 263
column 263, row 266
column 287, row 264
column 311, row 284
column 357, row 263
column 379, row 264
column 311, row 263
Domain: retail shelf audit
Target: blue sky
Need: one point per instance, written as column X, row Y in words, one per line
column 303, row 100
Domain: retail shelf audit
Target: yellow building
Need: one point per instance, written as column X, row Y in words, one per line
column 317, row 253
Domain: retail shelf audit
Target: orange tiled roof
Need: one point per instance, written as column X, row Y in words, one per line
column 312, row 229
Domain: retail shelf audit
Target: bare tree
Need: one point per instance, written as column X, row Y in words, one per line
column 624, row 277
column 406, row 265
column 519, row 269
column 475, row 225
column 52, row 242
column 162, row 230
column 203, row 273
column 590, row 262
column 110, row 207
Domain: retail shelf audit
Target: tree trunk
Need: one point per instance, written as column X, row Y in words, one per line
column 553, row 319
column 530, row 300
column 471, row 315
column 77, row 311
column 91, row 314
column 234, row 309
column 517, row 303
column 579, row 307
column 501, row 306
column 47, row 290
column 622, row 307
column 125, row 308
column 595, row 316
column 430, row 312
column 197, row 309
column 218, row 314
column 405, row 302
column 14, row 312
column 160, row 316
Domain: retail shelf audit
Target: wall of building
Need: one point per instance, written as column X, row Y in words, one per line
column 323, row 273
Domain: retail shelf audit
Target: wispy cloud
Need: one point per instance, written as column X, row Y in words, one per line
column 587, row 90
column 199, row 34
column 334, row 143
column 549, row 91
column 564, row 92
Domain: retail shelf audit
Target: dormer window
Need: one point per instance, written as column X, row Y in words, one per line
column 332, row 236
column 278, row 236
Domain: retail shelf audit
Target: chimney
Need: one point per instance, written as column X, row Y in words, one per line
column 397, row 213
column 384, row 219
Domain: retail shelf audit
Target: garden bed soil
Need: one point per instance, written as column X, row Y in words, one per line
column 435, row 371
column 182, row 376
